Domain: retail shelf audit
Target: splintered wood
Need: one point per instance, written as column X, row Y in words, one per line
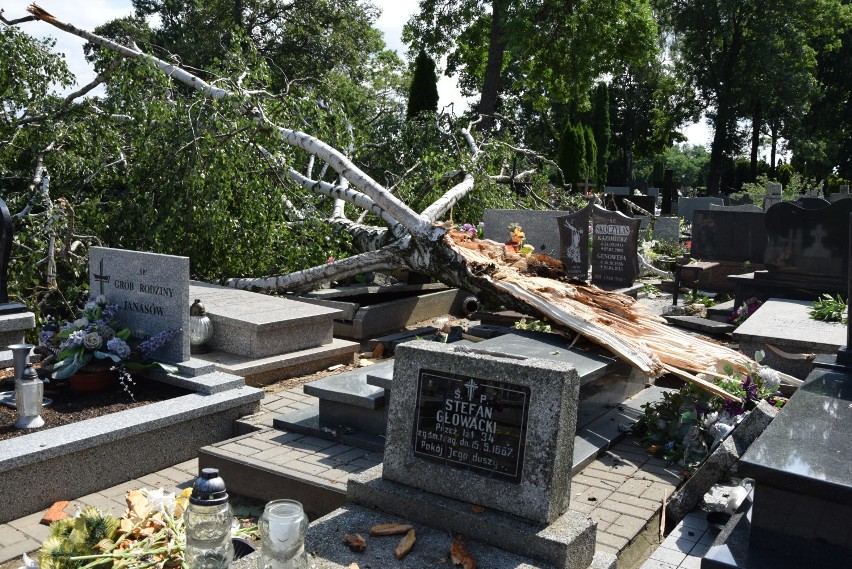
column 610, row 319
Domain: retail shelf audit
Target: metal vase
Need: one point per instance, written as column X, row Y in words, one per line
column 20, row 357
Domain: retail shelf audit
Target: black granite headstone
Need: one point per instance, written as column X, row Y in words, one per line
column 668, row 192
column 812, row 203
column 5, row 254
column 724, row 235
column 472, row 424
column 5, row 251
column 808, row 241
column 574, row 241
column 615, row 239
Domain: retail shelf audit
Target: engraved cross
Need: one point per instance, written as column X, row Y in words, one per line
column 102, row 278
column 471, row 387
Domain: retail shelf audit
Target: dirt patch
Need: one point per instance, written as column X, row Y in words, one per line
column 70, row 407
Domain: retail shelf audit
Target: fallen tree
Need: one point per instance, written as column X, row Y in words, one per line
column 423, row 243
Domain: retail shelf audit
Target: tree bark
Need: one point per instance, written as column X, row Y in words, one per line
column 493, row 67
column 756, row 123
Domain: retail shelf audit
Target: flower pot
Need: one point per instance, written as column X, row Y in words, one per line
column 92, row 381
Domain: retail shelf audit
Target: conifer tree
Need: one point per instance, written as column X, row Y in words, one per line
column 572, row 153
column 423, row 93
column 602, row 131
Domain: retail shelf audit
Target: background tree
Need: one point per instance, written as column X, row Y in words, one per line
column 724, row 48
column 572, row 153
column 546, row 52
column 601, row 130
column 648, row 103
column 423, row 92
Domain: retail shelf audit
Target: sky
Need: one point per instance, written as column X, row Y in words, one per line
column 88, row 14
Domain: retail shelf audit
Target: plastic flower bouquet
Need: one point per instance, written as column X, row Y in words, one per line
column 97, row 336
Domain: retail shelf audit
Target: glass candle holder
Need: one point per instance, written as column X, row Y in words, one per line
column 283, row 526
column 29, row 392
column 208, row 520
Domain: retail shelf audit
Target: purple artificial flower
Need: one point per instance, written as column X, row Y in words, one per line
column 45, row 335
column 733, row 408
column 750, row 387
column 155, row 342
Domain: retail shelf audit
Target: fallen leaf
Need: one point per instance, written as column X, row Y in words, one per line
column 125, row 525
column 477, row 509
column 355, row 542
column 378, row 351
column 405, row 544
column 353, row 566
column 461, row 556
column 137, row 504
column 389, row 529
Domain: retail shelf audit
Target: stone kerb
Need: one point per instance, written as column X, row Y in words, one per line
column 485, row 429
column 151, row 291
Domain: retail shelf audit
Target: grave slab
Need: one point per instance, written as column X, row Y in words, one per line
column 704, row 325
column 443, row 434
column 329, row 551
column 797, row 515
column 263, row 371
column 567, row 542
column 259, row 325
column 14, row 326
column 786, row 324
column 350, row 387
column 80, row 458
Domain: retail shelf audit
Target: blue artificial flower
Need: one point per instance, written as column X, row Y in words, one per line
column 119, row 347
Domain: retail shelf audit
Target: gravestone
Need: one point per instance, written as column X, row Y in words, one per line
column 487, row 430
column 666, row 229
column 729, row 234
column 810, row 202
column 648, row 203
column 743, row 199
column 747, row 207
column 617, row 190
column 653, row 192
column 773, row 195
column 808, row 241
column 615, row 263
column 151, row 292
column 840, row 195
column 686, row 207
column 6, row 237
column 574, row 243
column 540, row 227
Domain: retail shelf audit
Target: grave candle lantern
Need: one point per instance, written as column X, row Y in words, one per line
column 283, row 526
column 208, row 521
column 200, row 328
column 29, row 391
